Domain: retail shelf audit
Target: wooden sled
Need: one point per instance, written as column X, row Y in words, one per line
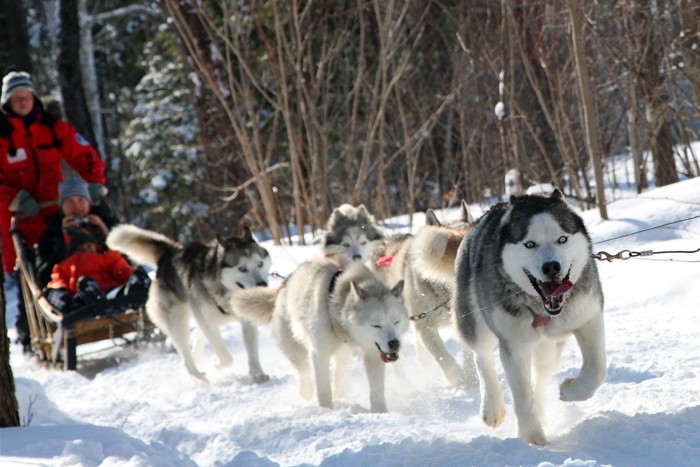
column 54, row 336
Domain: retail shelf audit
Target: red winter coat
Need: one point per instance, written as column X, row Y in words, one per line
column 30, row 159
column 108, row 269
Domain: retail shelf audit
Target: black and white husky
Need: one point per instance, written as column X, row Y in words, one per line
column 526, row 281
column 197, row 280
column 351, row 235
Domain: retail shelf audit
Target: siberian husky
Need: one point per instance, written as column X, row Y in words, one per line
column 321, row 312
column 351, row 234
column 526, row 281
column 426, row 264
column 197, row 280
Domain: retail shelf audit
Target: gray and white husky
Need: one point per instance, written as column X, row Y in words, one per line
column 426, row 263
column 351, row 234
column 321, row 312
column 197, row 280
column 526, row 281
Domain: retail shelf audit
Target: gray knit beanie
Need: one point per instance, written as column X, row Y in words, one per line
column 72, row 187
column 13, row 81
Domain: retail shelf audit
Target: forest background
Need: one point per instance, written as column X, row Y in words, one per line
column 212, row 113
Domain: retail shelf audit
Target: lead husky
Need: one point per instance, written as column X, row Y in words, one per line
column 351, row 234
column 197, row 280
column 526, row 281
column 426, row 263
column 318, row 312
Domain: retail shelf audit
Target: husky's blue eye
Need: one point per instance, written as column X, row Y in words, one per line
column 363, row 243
column 563, row 239
column 243, row 269
column 346, row 245
column 530, row 245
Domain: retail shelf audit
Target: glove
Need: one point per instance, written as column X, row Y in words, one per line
column 23, row 205
column 97, row 191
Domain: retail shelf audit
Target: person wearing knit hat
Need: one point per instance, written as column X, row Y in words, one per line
column 16, row 81
column 75, row 210
column 34, row 145
column 73, row 187
column 74, row 204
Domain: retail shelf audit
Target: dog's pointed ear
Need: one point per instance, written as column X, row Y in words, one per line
column 431, row 218
column 223, row 241
column 373, row 233
column 557, row 195
column 398, row 288
column 359, row 292
column 465, row 215
column 245, row 234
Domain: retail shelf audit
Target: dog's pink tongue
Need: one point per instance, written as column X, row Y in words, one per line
column 554, row 289
column 384, row 357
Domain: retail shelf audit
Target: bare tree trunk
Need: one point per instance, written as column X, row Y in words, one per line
column 590, row 120
column 89, row 77
column 9, row 409
column 69, row 70
column 13, row 30
column 655, row 98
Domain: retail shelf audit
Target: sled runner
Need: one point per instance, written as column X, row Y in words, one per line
column 55, row 336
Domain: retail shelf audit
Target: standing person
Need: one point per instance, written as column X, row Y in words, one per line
column 75, row 210
column 32, row 145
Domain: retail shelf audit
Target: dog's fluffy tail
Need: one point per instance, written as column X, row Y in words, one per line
column 141, row 245
column 255, row 305
column 435, row 251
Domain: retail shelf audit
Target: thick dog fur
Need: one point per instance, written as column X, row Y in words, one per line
column 526, row 281
column 351, row 234
column 319, row 312
column 197, row 280
column 426, row 264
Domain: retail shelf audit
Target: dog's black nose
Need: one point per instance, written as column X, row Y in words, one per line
column 356, row 257
column 394, row 345
column 551, row 269
column 261, row 284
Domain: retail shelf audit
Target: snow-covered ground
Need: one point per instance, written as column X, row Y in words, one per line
column 139, row 406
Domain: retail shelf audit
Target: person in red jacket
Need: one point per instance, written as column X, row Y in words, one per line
column 92, row 272
column 33, row 143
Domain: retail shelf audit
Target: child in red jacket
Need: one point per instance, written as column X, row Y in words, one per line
column 90, row 273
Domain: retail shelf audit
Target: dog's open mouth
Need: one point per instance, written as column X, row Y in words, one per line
column 552, row 293
column 387, row 357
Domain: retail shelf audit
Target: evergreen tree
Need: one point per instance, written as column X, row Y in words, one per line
column 160, row 146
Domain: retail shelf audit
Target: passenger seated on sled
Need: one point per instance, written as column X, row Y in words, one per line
column 93, row 273
column 76, row 208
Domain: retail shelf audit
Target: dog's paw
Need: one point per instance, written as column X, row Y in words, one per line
column 533, row 435
column 378, row 408
column 260, row 378
column 493, row 413
column 200, row 377
column 572, row 390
